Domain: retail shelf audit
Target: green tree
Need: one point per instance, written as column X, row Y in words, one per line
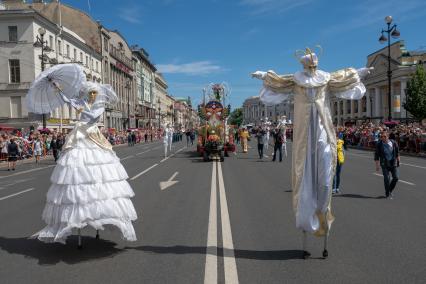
column 236, row 117
column 415, row 102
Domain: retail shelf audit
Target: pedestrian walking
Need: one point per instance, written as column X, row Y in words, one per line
column 260, row 136
column 188, row 137
column 13, row 153
column 244, row 136
column 37, row 149
column 146, row 136
column 278, row 144
column 340, row 161
column 165, row 141
column 54, row 146
column 192, row 137
column 133, row 138
column 387, row 157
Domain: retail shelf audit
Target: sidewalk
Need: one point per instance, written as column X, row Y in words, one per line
column 3, row 164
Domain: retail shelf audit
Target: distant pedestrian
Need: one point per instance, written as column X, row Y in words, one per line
column 278, row 144
column 188, row 137
column 54, row 146
column 260, row 136
column 387, row 157
column 146, row 136
column 192, row 136
column 38, row 149
column 13, row 153
column 244, row 136
column 340, row 161
column 133, row 138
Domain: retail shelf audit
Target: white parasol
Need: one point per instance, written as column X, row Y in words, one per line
column 43, row 94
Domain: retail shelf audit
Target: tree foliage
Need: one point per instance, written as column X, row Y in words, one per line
column 415, row 102
column 236, row 117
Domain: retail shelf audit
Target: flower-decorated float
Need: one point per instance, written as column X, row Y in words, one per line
column 214, row 139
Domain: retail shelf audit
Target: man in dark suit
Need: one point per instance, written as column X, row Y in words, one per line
column 387, row 157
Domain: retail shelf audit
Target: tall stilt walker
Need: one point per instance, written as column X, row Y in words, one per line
column 314, row 140
column 89, row 184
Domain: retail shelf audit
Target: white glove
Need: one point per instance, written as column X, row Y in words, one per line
column 259, row 75
column 363, row 72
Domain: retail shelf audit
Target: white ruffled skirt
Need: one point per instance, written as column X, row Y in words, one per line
column 89, row 188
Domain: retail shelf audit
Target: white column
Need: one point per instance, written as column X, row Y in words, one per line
column 338, row 112
column 377, row 102
column 368, row 96
column 403, row 97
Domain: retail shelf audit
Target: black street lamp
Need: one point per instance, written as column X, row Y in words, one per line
column 159, row 113
column 40, row 42
column 392, row 32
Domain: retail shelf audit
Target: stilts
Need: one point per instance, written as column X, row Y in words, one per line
column 79, row 246
column 306, row 254
column 325, row 251
column 97, row 234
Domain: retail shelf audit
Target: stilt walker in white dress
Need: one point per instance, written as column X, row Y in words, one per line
column 89, row 184
column 170, row 136
column 314, row 140
column 283, row 125
column 165, row 141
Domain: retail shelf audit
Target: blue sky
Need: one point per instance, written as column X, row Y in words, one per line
column 196, row 42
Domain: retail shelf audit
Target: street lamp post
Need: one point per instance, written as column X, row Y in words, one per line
column 392, row 32
column 40, row 42
column 159, row 113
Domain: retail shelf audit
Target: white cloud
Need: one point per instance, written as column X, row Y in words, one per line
column 192, row 68
column 130, row 14
column 259, row 7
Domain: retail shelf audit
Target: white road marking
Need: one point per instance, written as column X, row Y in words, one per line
column 144, row 172
column 143, row 152
column 170, row 182
column 210, row 271
column 27, row 171
column 370, row 157
column 231, row 274
column 411, row 165
column 128, row 157
column 15, row 194
column 168, row 157
column 400, row 180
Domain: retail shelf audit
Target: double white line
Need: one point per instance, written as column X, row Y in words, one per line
column 230, row 266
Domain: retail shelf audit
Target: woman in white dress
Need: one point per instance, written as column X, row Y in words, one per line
column 89, row 186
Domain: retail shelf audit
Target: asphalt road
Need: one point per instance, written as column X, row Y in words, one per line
column 222, row 223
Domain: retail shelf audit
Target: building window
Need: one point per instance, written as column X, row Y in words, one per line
column 97, row 66
column 75, row 54
column 68, row 50
column 348, row 106
column 15, row 71
column 335, row 108
column 51, row 41
column 81, row 57
column 13, row 33
column 15, row 107
column 105, row 44
column 341, row 107
column 87, row 61
column 59, row 47
column 364, row 104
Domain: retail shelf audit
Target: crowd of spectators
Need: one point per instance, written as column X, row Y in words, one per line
column 411, row 138
column 29, row 141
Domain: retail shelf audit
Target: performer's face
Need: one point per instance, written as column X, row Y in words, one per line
column 92, row 96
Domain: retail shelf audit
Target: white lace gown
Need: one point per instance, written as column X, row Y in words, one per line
column 89, row 185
